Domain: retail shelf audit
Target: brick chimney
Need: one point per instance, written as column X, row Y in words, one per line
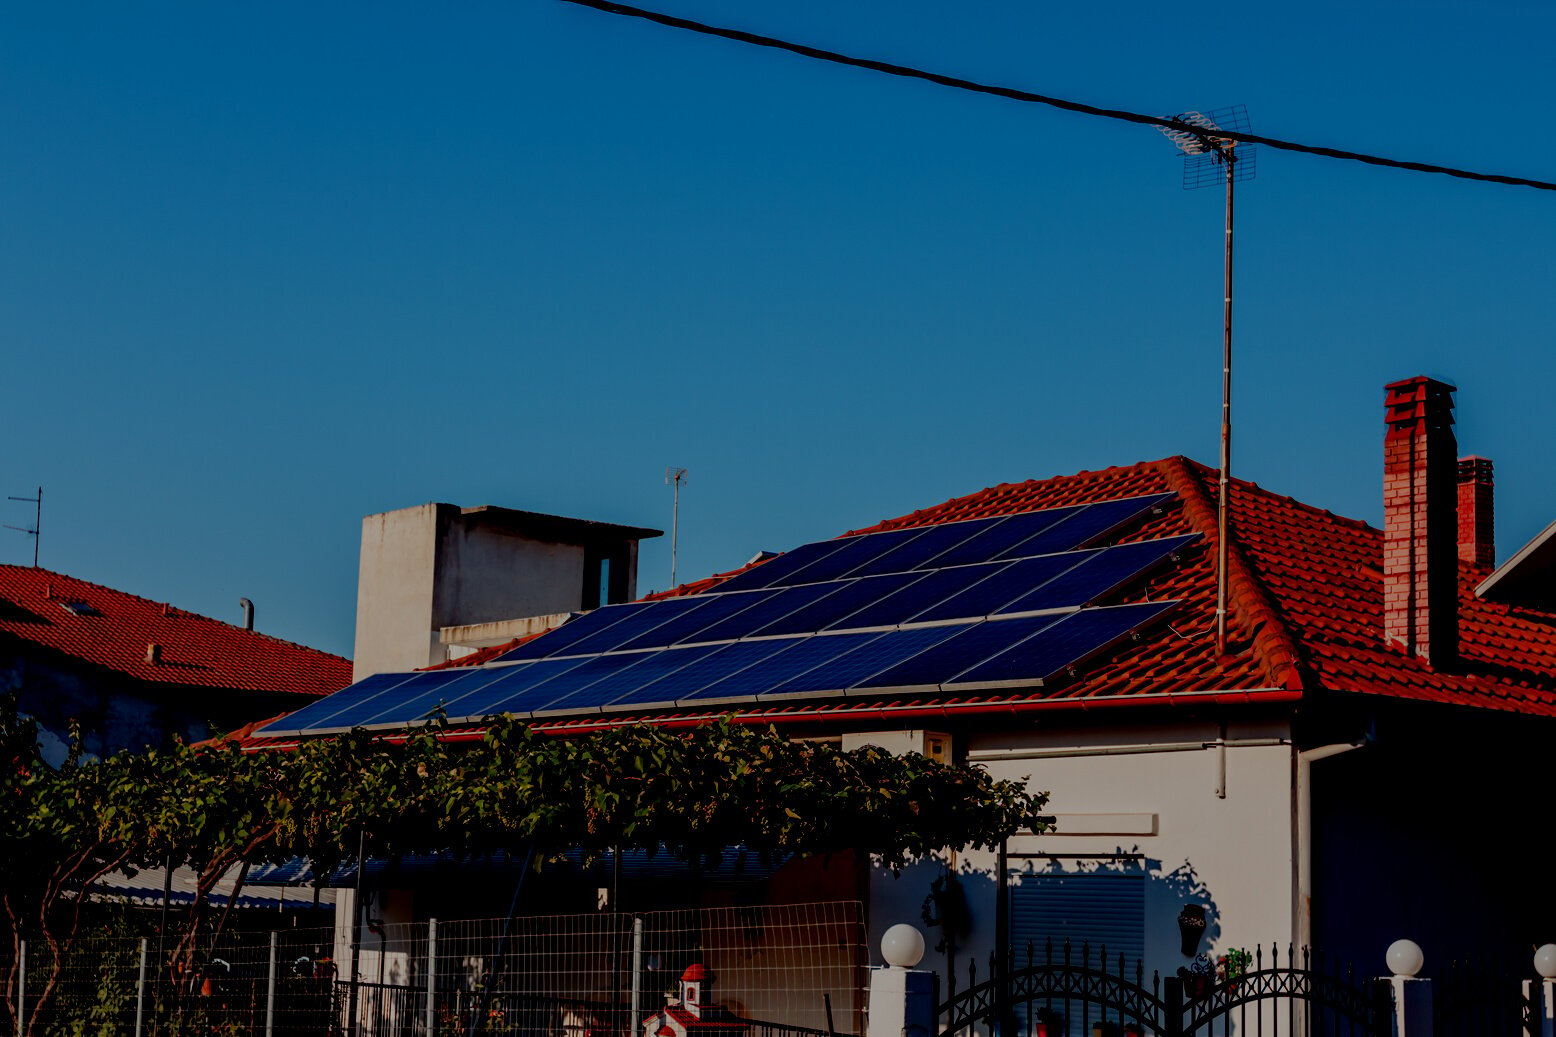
column 1420, row 531
column 1477, row 536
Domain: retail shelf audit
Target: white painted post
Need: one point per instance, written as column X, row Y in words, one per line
column 1412, row 995
column 270, row 986
column 637, row 975
column 1541, row 993
column 21, row 988
column 902, row 1002
column 432, row 975
column 140, row 990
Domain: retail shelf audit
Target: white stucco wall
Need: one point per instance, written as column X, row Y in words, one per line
column 1237, row 855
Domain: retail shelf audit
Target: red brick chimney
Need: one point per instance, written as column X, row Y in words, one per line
column 1477, row 536
column 1420, row 531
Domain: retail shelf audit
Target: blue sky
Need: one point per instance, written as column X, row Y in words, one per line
column 265, row 269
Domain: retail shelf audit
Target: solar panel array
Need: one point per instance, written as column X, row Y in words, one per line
column 979, row 604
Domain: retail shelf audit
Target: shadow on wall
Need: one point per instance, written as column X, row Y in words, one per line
column 1157, row 918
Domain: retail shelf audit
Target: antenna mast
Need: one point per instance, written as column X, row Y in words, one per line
column 674, row 477
column 1208, row 159
column 37, row 523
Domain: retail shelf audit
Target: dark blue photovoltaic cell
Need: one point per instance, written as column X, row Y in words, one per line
column 868, row 659
column 808, row 654
column 923, row 550
column 852, row 596
column 990, row 595
column 501, row 695
column 1097, row 574
column 315, row 713
column 1078, row 635
column 1090, row 523
column 571, row 687
column 953, row 655
column 775, row 571
column 689, row 626
column 615, row 637
column 903, row 605
column 405, row 708
column 654, row 666
column 573, row 631
column 995, row 540
column 858, row 551
column 362, row 712
column 783, row 601
column 689, row 681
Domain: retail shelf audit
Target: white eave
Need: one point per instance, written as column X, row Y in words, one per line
column 1525, row 578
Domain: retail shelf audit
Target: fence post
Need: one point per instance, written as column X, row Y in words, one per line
column 140, row 990
column 1172, row 1006
column 1540, row 994
column 21, row 988
column 432, row 975
column 1412, row 995
column 270, row 986
column 902, row 1002
column 637, row 973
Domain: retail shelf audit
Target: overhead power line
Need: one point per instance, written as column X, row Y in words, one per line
column 1053, row 102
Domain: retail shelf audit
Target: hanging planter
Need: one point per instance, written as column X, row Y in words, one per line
column 1191, row 928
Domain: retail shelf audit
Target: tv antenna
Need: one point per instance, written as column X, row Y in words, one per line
column 1210, row 159
column 37, row 523
column 674, row 477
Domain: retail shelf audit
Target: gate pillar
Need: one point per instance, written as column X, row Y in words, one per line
column 902, row 1001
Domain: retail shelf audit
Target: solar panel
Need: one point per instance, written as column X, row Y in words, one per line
column 924, row 550
column 783, row 601
column 867, row 660
column 1087, row 525
column 575, row 630
column 857, row 551
column 641, row 626
column 688, row 627
column 653, row 666
column 421, row 683
column 967, row 649
column 1061, row 646
column 1098, row 574
column 367, row 689
column 474, row 701
column 917, row 596
column 756, row 681
column 776, row 571
column 1004, row 534
column 689, row 681
column 1003, row 586
column 852, row 596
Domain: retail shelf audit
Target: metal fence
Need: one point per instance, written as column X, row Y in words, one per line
column 785, row 969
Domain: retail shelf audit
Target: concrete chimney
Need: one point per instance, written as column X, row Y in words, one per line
column 1477, row 535
column 1420, row 529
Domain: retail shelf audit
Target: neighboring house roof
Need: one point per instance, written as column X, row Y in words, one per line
column 111, row 629
column 1306, row 594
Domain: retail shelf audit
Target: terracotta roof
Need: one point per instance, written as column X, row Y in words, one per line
column 1306, row 594
column 112, row 629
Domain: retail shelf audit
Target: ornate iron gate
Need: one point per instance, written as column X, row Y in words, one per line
column 1081, row 993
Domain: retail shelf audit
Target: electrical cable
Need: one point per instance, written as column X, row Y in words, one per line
column 1054, row 102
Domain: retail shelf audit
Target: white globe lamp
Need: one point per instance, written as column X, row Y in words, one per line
column 902, row 946
column 1404, row 958
column 1545, row 961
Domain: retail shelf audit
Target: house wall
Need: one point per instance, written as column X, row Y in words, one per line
column 1237, row 855
column 1431, row 833
column 429, row 567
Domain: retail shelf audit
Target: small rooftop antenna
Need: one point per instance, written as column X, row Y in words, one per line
column 674, row 477
column 37, row 523
column 1210, row 159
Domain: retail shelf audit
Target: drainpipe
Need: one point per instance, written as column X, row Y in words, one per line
column 1305, row 758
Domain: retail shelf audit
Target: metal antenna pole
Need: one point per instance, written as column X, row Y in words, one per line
column 1223, row 503
column 675, row 477
column 37, row 524
column 1209, row 158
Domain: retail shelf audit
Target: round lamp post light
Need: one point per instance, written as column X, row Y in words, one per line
column 1405, row 958
column 1545, row 961
column 903, row 946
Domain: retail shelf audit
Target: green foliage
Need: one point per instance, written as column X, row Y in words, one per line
column 691, row 791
